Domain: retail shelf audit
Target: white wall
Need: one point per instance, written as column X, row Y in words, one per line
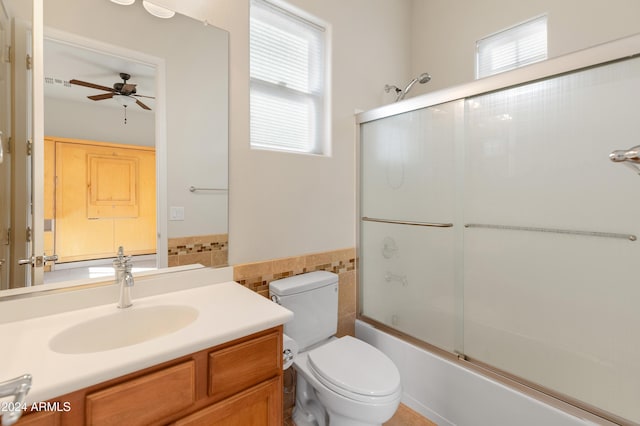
column 287, row 204
column 70, row 119
column 283, row 204
column 444, row 33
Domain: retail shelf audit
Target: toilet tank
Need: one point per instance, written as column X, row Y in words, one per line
column 313, row 299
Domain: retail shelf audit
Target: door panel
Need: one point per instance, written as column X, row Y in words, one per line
column 99, row 205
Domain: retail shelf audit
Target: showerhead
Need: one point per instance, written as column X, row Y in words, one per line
column 422, row 79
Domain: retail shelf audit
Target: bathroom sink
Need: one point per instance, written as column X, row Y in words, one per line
column 124, row 327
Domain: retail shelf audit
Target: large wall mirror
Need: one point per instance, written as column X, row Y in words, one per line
column 126, row 114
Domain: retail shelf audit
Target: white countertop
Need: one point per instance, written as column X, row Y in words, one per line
column 227, row 311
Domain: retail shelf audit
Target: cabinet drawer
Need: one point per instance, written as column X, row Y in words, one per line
column 145, row 399
column 238, row 367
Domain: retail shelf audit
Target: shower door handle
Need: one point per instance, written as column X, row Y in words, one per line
column 631, row 154
column 629, row 157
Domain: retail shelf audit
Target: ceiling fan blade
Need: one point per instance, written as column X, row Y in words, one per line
column 143, row 106
column 101, row 97
column 91, row 85
column 143, row 96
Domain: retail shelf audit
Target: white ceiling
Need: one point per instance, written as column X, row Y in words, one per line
column 64, row 62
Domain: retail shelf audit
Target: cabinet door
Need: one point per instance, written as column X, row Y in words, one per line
column 240, row 366
column 40, row 419
column 260, row 405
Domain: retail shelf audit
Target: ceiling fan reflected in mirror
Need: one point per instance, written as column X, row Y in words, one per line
column 124, row 93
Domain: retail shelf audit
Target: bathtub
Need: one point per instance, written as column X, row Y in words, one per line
column 449, row 394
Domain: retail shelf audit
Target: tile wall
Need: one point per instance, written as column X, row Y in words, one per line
column 258, row 275
column 208, row 250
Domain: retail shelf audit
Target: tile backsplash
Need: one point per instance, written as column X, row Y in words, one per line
column 208, row 250
column 257, row 276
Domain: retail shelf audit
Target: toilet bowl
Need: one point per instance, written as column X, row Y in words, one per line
column 355, row 383
column 340, row 381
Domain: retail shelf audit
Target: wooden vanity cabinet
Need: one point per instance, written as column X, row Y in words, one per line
column 233, row 384
column 40, row 419
column 254, row 406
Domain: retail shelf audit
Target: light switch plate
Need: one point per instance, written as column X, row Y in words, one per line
column 176, row 213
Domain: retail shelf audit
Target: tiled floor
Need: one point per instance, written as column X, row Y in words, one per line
column 405, row 416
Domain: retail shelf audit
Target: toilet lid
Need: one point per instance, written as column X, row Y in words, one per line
column 355, row 366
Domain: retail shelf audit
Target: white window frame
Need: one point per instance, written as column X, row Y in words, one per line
column 315, row 128
column 513, row 47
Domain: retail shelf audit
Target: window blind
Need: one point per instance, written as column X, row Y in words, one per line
column 512, row 48
column 287, row 68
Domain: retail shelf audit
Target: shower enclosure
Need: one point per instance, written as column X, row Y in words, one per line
column 495, row 227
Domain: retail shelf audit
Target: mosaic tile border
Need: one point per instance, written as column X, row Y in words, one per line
column 189, row 245
column 208, row 250
column 257, row 276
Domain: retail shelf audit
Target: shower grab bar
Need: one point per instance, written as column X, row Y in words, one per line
column 194, row 189
column 404, row 222
column 629, row 237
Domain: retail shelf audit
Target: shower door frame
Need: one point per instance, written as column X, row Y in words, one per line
column 610, row 52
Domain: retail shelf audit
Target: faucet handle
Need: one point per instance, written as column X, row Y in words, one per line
column 122, row 260
column 18, row 387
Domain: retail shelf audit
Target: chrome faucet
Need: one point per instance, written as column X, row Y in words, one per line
column 124, row 278
column 18, row 387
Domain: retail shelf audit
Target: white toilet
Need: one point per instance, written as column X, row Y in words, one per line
column 340, row 382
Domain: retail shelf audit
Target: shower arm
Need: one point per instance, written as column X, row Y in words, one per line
column 400, row 94
column 388, row 88
column 403, row 93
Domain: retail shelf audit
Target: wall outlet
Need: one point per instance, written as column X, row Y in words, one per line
column 176, row 213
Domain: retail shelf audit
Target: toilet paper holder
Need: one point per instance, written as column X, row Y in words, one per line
column 287, row 356
column 289, row 351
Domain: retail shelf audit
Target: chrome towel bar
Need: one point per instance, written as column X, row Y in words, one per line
column 629, row 237
column 404, row 222
column 194, row 189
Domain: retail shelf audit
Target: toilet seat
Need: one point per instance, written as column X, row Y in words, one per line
column 355, row 370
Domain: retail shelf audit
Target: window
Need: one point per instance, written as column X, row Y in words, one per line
column 515, row 47
column 288, row 82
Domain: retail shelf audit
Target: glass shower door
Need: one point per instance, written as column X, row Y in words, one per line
column 550, row 280
column 407, row 214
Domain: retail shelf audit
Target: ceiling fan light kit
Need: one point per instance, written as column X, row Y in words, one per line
column 157, row 11
column 123, row 93
column 124, row 100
